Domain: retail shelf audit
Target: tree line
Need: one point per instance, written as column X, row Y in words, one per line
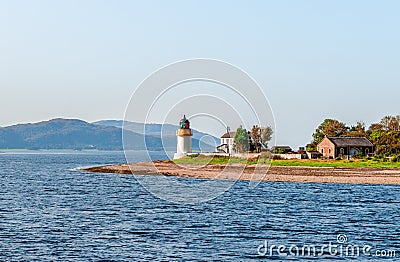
column 385, row 135
column 252, row 141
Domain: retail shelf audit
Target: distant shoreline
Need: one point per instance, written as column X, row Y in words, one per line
column 51, row 151
column 73, row 150
column 375, row 176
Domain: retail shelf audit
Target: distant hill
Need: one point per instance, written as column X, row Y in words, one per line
column 79, row 135
column 150, row 129
column 164, row 132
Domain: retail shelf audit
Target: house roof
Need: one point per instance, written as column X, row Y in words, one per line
column 350, row 141
column 228, row 135
column 314, row 152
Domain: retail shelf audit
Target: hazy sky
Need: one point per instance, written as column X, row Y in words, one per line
column 313, row 59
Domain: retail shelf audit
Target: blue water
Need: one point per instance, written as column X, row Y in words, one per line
column 50, row 211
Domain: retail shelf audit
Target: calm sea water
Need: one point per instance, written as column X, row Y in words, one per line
column 50, row 211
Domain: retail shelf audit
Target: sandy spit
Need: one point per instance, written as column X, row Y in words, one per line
column 251, row 172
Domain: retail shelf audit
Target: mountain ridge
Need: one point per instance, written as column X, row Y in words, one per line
column 151, row 128
column 60, row 133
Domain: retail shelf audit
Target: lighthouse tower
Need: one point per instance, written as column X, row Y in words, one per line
column 184, row 136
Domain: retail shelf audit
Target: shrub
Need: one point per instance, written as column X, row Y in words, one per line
column 266, row 155
column 338, row 158
column 396, row 158
column 358, row 156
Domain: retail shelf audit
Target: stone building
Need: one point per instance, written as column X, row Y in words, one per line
column 333, row 147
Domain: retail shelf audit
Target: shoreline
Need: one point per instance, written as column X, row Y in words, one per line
column 372, row 176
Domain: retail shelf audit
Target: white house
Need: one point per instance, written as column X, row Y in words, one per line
column 227, row 140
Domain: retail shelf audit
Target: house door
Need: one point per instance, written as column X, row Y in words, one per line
column 354, row 151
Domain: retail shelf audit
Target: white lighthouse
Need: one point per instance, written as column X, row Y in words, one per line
column 184, row 136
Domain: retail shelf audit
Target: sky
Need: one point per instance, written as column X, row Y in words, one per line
column 313, row 59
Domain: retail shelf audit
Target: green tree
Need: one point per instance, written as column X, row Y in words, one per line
column 385, row 135
column 241, row 140
column 255, row 135
column 391, row 123
column 358, row 130
column 260, row 136
column 330, row 128
column 266, row 135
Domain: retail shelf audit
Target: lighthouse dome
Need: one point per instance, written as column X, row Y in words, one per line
column 184, row 123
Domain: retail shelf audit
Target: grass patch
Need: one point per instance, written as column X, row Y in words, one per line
column 353, row 163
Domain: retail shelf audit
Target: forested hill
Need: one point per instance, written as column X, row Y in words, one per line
column 79, row 135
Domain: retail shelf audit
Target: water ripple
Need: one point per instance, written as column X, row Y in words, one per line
column 49, row 211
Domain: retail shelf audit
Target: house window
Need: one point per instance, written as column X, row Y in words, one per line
column 322, row 150
column 367, row 151
column 342, row 151
column 330, row 150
